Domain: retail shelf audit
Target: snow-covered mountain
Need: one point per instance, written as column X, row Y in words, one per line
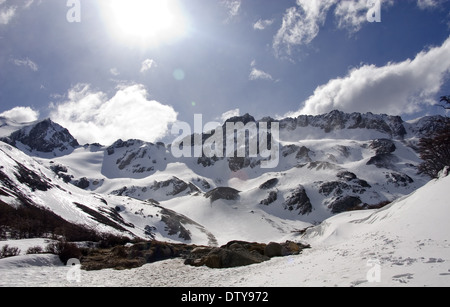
column 327, row 164
column 43, row 138
column 25, row 182
column 403, row 244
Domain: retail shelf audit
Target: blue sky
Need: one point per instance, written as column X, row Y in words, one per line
column 129, row 69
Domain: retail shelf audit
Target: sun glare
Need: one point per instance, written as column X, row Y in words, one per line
column 149, row 22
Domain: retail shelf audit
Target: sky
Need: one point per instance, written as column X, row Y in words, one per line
column 109, row 69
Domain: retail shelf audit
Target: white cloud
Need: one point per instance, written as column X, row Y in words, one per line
column 262, row 24
column 352, row 14
column 21, row 114
column 233, row 7
column 429, row 4
column 6, row 14
column 230, row 114
column 396, row 88
column 301, row 24
column 114, row 71
column 147, row 65
column 28, row 3
column 257, row 74
column 26, row 62
column 93, row 117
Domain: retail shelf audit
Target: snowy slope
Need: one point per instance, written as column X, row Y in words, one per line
column 406, row 242
column 25, row 182
column 173, row 220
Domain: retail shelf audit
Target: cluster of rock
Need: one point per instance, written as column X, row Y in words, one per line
column 240, row 253
column 233, row 254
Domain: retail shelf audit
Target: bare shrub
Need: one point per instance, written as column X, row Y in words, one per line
column 7, row 251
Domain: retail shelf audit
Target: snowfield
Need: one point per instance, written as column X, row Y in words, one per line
column 403, row 244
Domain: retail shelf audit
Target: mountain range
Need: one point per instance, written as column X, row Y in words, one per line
column 328, row 164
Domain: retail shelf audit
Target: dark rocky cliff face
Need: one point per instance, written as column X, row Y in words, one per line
column 44, row 136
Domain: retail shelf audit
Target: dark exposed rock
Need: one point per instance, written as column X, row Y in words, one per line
column 347, row 176
column 269, row 184
column 126, row 160
column 337, row 120
column 82, row 183
column 383, row 146
column 44, row 136
column 273, row 196
column 178, row 187
column 289, row 124
column 343, row 150
column 383, row 161
column 207, row 162
column 321, row 165
column 33, row 180
column 349, row 183
column 123, row 144
column 121, row 257
column 237, row 163
column 239, row 253
column 289, row 150
column 428, row 125
column 61, row 171
column 336, row 187
column 362, row 183
column 303, row 154
column 398, row 179
column 174, row 226
column 299, row 201
column 245, row 119
column 274, row 250
column 344, row 203
column 225, row 193
column 383, row 153
column 236, row 256
column 111, row 221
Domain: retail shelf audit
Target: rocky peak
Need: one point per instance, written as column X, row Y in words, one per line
column 337, row 120
column 44, row 136
column 245, row 119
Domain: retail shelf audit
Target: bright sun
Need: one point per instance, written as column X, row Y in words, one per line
column 149, row 22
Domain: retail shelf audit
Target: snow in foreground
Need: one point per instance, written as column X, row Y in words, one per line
column 404, row 244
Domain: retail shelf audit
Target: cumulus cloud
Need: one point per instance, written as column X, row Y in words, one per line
column 21, row 114
column 262, row 24
column 27, row 63
column 93, row 117
column 396, row 88
column 147, row 65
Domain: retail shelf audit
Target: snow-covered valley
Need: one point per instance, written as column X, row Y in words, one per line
column 408, row 241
